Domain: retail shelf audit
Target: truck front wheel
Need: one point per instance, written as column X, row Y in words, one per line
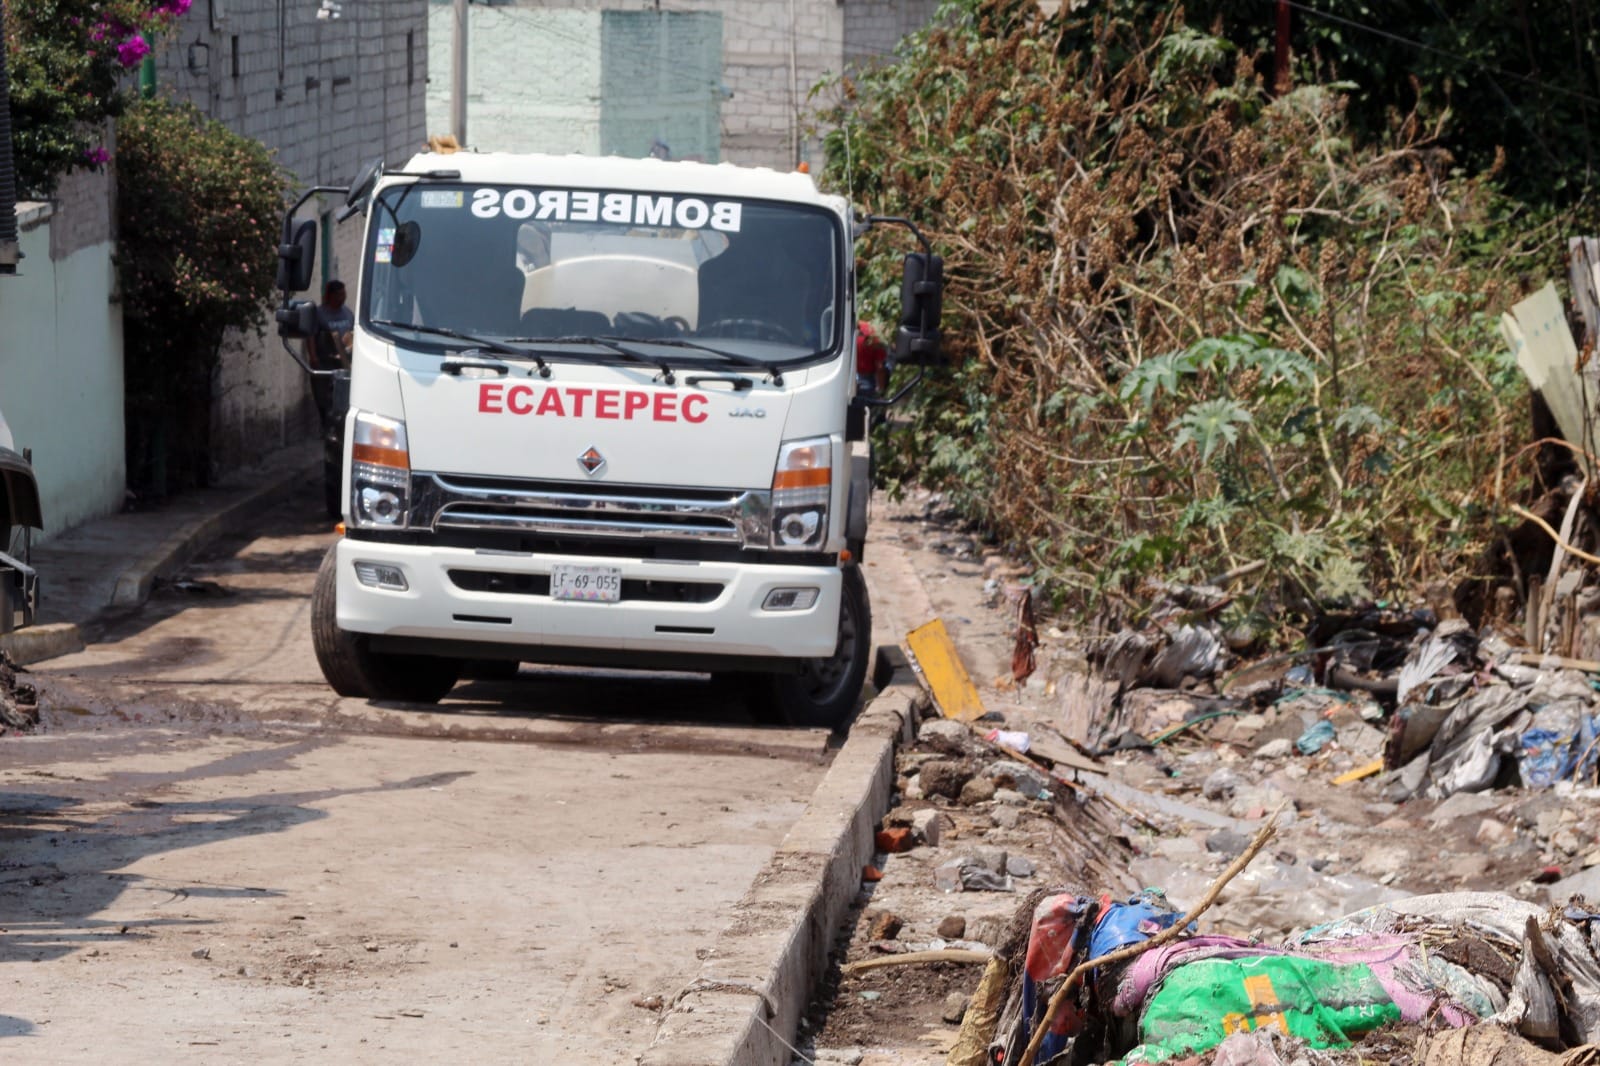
column 354, row 669
column 825, row 691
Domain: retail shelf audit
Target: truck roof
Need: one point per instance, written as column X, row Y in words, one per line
column 618, row 172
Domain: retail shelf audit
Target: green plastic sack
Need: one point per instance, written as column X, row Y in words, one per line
column 1202, row 1002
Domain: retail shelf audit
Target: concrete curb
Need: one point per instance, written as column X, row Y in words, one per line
column 37, row 643
column 757, row 981
column 135, row 582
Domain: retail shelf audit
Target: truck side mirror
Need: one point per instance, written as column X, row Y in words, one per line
column 297, row 319
column 916, row 340
column 297, row 255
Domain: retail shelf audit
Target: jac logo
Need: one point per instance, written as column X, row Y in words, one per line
column 748, row 412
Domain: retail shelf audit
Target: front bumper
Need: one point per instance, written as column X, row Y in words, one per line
column 461, row 595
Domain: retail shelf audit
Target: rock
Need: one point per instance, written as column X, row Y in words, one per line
column 928, row 825
column 991, row 859
column 1492, row 834
column 1227, row 842
column 1009, row 796
column 1017, row 866
column 1276, row 749
column 200, row 953
column 955, row 1007
column 1221, row 784
column 943, row 778
column 1462, row 805
column 977, row 790
column 953, row 927
column 913, row 791
column 1565, row 841
column 1006, row 817
column 1020, row 777
column 894, row 840
column 883, row 925
column 843, row 1056
column 987, row 929
column 948, row 736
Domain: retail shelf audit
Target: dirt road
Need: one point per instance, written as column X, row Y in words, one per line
column 205, row 856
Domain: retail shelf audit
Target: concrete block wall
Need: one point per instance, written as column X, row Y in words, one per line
column 773, row 52
column 325, row 95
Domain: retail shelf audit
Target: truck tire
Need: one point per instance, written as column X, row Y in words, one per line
column 825, row 692
column 353, row 669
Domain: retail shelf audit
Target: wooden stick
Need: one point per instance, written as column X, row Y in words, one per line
column 1171, row 932
column 1588, row 666
column 1542, row 524
column 911, row 958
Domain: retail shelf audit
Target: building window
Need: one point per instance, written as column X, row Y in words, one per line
column 411, row 57
column 233, row 50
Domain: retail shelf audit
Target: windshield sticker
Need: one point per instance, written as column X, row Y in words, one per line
column 623, row 208
column 443, row 198
column 383, row 251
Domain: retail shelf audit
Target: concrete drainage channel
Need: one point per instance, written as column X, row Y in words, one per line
column 746, row 1003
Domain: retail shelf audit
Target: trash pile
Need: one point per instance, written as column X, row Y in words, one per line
column 19, row 702
column 1435, row 962
column 1438, row 708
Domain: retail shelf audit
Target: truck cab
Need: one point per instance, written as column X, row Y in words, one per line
column 601, row 412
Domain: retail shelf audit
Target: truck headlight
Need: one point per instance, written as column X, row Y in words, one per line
column 801, row 487
column 380, row 472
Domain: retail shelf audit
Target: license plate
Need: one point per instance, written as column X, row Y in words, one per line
column 593, row 584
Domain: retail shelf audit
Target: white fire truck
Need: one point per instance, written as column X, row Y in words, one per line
column 601, row 411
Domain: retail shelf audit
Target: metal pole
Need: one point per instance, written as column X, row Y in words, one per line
column 1280, row 58
column 458, row 75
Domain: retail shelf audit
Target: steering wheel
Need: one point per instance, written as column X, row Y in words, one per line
column 749, row 328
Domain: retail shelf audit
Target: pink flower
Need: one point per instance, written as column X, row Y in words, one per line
column 96, row 157
column 130, row 51
column 173, row 7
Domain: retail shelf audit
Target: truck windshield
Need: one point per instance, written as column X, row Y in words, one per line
column 755, row 278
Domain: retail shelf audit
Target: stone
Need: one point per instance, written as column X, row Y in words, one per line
column 953, row 927
column 1492, row 834
column 948, row 736
column 1020, row 777
column 838, row 1056
column 1227, row 842
column 1006, row 817
column 955, row 1007
column 988, row 929
column 1017, row 866
column 993, row 859
column 1276, row 749
column 883, row 925
column 1221, row 784
column 1009, row 796
column 943, row 778
column 894, row 840
column 977, row 790
column 1462, row 805
column 928, row 825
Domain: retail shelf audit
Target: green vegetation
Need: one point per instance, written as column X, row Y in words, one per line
column 1195, row 326
column 65, row 59
column 198, row 209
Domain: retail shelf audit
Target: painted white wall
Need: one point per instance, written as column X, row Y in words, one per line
column 61, row 373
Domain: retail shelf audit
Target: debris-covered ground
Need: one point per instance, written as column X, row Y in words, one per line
column 1404, row 756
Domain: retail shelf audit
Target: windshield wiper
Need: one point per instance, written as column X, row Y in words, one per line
column 772, row 372
column 501, row 347
column 632, row 355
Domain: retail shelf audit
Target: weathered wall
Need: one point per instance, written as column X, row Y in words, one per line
column 61, row 360
column 326, row 95
column 558, row 111
column 772, row 53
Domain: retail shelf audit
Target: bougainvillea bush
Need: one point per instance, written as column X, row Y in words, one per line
column 70, row 64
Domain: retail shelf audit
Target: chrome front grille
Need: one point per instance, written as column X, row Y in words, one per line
column 562, row 509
